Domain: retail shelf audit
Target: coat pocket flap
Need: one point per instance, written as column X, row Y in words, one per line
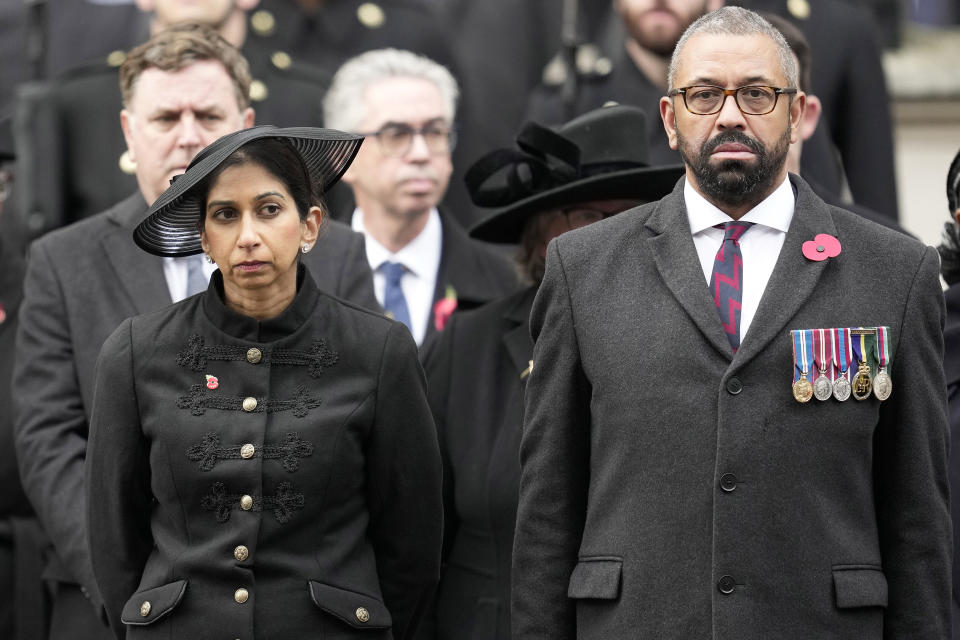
column 597, row 578
column 860, row 587
column 148, row 606
column 355, row 609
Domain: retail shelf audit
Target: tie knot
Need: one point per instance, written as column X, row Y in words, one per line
column 393, row 271
column 733, row 230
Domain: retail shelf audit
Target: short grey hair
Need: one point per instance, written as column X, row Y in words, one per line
column 344, row 106
column 737, row 21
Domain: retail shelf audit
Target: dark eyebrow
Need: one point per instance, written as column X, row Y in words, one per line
column 267, row 194
column 751, row 81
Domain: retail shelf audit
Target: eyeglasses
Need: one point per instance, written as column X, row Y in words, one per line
column 706, row 100
column 396, row 139
column 582, row 216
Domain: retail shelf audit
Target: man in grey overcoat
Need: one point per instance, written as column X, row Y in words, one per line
column 183, row 89
column 685, row 475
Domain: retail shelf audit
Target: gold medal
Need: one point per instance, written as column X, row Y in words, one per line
column 802, row 389
column 862, row 385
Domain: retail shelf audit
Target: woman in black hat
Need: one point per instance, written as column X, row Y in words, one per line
column 590, row 168
column 262, row 462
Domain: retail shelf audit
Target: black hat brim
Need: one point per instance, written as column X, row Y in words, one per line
column 171, row 226
column 643, row 183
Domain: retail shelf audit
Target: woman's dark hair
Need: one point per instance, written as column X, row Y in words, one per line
column 950, row 247
column 279, row 158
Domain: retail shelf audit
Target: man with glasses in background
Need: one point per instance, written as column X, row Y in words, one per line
column 423, row 264
column 712, row 447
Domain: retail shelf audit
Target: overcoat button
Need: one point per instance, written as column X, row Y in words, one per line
column 362, row 614
column 246, row 503
column 145, row 609
column 241, row 553
column 247, row 451
column 241, row 595
column 734, row 386
column 249, row 404
column 726, row 585
column 254, row 355
column 728, row 482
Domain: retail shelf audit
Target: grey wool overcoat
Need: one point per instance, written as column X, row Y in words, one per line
column 263, row 479
column 673, row 490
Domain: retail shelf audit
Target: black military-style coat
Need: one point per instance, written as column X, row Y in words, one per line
column 274, row 479
column 951, row 369
column 476, row 373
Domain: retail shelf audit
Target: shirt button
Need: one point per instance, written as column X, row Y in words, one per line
column 734, row 386
column 254, row 355
column 241, row 553
column 241, row 595
column 145, row 609
column 249, row 404
column 362, row 614
column 726, row 584
column 246, row 503
column 728, row 482
column 247, row 451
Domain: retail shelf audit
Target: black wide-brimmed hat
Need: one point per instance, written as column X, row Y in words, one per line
column 601, row 155
column 171, row 226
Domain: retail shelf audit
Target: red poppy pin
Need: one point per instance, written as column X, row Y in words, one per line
column 823, row 246
column 212, row 382
column 444, row 308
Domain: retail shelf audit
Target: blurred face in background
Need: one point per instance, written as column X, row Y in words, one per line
column 173, row 115
column 395, row 174
column 658, row 24
column 210, row 12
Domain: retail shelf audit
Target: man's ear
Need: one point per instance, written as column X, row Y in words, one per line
column 669, row 118
column 956, row 216
column 125, row 127
column 811, row 117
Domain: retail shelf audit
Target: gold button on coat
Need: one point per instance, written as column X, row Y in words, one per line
column 241, row 553
column 254, row 355
column 241, row 595
column 246, row 503
column 247, row 451
column 362, row 614
column 145, row 608
column 249, row 404
column 116, row 58
column 263, row 22
column 258, row 90
column 281, row 60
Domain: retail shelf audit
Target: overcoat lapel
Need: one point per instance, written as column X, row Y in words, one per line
column 794, row 277
column 516, row 335
column 140, row 273
column 676, row 258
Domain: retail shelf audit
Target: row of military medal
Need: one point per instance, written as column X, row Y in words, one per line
column 839, row 363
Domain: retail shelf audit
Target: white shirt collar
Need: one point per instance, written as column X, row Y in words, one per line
column 420, row 256
column 775, row 211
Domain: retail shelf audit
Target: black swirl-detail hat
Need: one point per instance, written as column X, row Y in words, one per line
column 171, row 226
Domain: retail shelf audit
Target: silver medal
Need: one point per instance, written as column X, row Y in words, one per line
column 882, row 385
column 841, row 387
column 822, row 388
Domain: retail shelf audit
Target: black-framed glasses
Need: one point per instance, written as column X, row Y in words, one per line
column 396, row 138
column 754, row 100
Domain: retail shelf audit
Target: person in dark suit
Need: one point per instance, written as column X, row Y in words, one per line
column 477, row 367
column 186, row 87
column 263, row 439
column 22, row 612
column 950, row 269
column 674, row 483
column 423, row 263
column 77, row 163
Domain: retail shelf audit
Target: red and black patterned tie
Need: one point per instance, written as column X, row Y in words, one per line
column 726, row 282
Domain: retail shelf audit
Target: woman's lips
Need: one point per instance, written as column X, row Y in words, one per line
column 250, row 266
